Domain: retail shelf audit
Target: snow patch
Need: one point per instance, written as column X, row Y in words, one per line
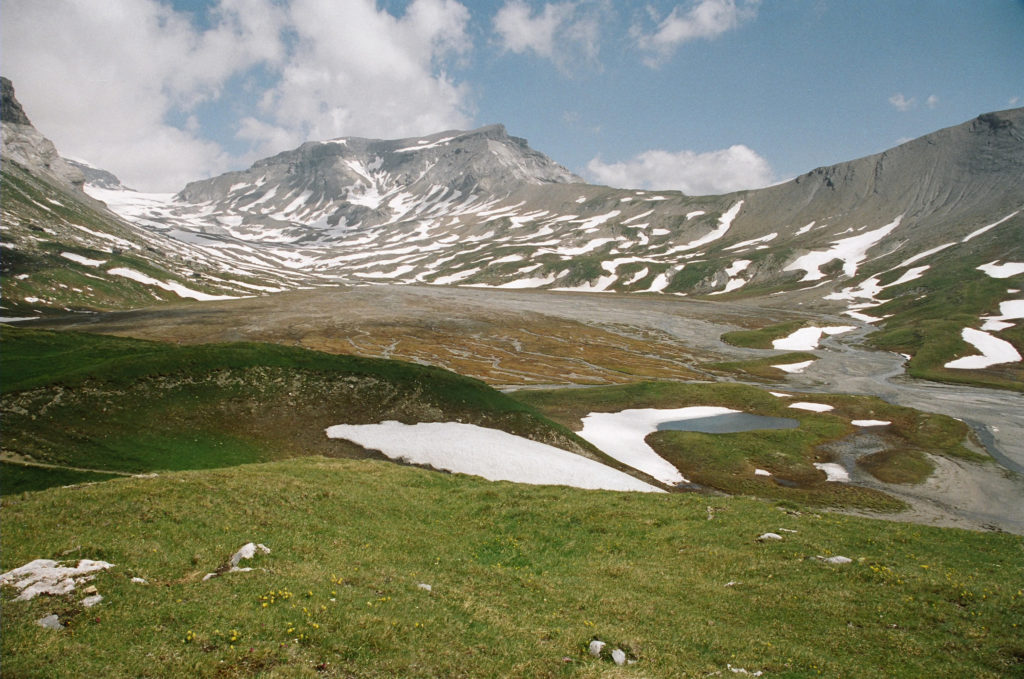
column 1011, row 310
column 724, row 222
column 455, row 277
column 755, row 241
column 833, row 472
column 922, row 255
column 525, row 283
column 858, row 316
column 733, row 270
column 851, row 251
column 993, row 351
column 870, row 423
column 662, row 280
column 1002, row 270
column 813, row 407
column 423, row 144
column 493, row 454
column 794, row 367
column 177, row 288
column 806, row 339
column 993, row 225
column 83, row 260
column 621, row 435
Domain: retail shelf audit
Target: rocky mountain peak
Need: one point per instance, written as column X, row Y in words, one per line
column 10, row 110
column 23, row 144
column 354, row 181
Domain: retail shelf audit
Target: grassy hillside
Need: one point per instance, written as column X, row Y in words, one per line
column 522, row 578
column 924, row 318
column 762, row 338
column 44, row 224
column 114, row 404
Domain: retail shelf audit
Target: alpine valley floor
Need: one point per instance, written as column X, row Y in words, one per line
column 533, row 340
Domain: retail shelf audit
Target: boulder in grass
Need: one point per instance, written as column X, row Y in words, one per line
column 595, row 648
column 766, row 537
column 45, row 576
column 247, row 551
column 50, row 622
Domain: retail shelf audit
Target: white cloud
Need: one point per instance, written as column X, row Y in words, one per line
column 101, row 79
column 567, row 33
column 356, row 70
column 118, row 83
column 901, row 103
column 732, row 169
column 932, row 101
column 1014, row 101
column 705, row 19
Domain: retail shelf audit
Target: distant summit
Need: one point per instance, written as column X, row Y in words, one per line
column 356, row 181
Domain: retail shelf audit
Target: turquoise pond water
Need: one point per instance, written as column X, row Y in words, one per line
column 729, row 423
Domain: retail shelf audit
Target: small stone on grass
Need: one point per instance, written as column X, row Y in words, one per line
column 50, row 622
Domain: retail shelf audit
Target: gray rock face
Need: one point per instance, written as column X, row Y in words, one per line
column 970, row 171
column 94, row 176
column 10, row 109
column 23, row 144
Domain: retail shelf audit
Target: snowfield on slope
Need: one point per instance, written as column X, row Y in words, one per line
column 493, row 454
column 851, row 251
column 177, row 288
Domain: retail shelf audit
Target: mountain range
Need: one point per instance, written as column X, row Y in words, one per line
column 930, row 230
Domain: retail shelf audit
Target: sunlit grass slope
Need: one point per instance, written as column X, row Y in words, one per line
column 521, row 579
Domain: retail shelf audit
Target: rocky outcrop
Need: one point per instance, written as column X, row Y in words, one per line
column 10, row 110
column 23, row 144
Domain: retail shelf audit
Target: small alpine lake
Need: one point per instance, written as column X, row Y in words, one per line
column 729, row 423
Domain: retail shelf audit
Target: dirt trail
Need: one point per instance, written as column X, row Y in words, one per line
column 17, row 458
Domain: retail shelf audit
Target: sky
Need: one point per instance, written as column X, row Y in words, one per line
column 702, row 96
